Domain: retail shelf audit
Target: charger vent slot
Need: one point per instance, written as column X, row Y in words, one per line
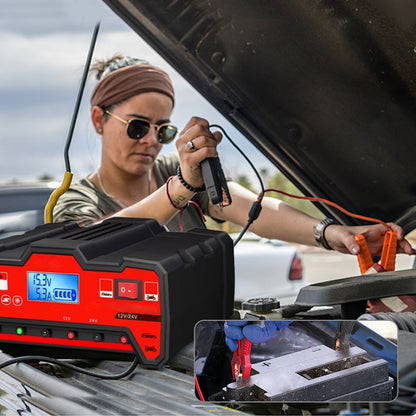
column 90, row 233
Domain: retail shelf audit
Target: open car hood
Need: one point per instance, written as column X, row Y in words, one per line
column 325, row 89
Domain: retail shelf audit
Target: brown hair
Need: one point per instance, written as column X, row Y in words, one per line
column 100, row 65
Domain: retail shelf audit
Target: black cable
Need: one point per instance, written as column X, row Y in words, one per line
column 407, row 389
column 403, row 403
column 242, row 232
column 291, row 310
column 79, row 97
column 243, row 154
column 256, row 206
column 404, row 320
column 38, row 358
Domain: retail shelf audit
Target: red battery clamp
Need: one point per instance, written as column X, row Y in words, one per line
column 120, row 288
column 240, row 363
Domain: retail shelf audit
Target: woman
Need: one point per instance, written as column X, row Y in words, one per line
column 130, row 108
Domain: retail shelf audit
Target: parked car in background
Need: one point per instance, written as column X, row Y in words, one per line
column 266, row 268
column 22, row 206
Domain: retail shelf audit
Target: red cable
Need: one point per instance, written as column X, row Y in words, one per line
column 199, row 209
column 325, row 201
column 183, row 209
column 198, row 389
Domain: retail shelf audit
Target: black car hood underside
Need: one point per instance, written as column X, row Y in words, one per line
column 325, row 89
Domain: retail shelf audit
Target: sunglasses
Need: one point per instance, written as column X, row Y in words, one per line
column 137, row 128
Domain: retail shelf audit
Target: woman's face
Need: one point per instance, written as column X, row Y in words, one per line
column 135, row 156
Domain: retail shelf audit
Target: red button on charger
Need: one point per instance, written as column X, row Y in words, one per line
column 71, row 335
column 127, row 290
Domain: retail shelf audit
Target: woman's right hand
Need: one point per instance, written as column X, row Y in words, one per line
column 195, row 144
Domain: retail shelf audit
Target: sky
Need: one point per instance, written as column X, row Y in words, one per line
column 44, row 46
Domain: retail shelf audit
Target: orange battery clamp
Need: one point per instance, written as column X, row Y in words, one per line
column 365, row 261
column 388, row 254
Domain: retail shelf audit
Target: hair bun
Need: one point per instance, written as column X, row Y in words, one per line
column 104, row 67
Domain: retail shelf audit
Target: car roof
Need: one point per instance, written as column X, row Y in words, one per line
column 24, row 197
column 326, row 90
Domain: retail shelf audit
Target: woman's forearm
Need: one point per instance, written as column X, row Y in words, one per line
column 276, row 220
column 157, row 205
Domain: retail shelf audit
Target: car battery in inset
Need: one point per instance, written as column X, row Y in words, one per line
column 315, row 374
column 122, row 287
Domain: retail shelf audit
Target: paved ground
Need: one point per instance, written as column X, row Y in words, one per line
column 322, row 265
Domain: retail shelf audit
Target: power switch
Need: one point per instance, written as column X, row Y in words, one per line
column 127, row 289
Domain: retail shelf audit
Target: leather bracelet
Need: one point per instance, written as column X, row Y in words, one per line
column 319, row 233
column 168, row 194
column 186, row 185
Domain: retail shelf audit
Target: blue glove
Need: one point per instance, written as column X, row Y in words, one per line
column 237, row 330
column 233, row 332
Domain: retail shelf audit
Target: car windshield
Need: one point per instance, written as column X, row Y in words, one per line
column 21, row 208
column 18, row 222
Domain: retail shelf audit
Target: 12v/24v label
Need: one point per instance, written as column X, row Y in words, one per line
column 137, row 317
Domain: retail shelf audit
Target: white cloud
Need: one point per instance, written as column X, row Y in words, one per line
column 43, row 56
column 54, row 59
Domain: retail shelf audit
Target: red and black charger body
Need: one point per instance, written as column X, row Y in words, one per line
column 125, row 286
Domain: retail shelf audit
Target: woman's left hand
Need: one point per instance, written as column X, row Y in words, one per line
column 341, row 238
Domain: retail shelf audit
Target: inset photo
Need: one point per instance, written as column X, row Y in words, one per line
column 296, row 361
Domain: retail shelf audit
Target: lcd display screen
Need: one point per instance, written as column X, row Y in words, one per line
column 53, row 287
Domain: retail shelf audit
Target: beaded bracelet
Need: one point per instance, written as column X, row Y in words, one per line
column 185, row 184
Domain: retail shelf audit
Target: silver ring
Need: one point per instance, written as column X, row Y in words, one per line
column 190, row 145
